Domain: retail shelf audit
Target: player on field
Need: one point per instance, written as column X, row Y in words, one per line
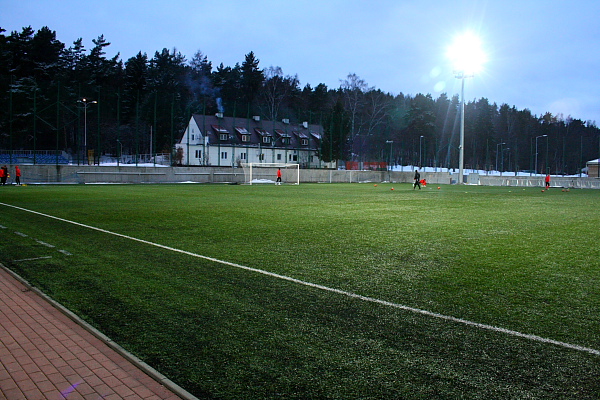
column 278, row 181
column 417, row 179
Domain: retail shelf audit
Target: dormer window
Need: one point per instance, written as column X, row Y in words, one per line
column 266, row 136
column 244, row 134
column 303, row 137
column 223, row 133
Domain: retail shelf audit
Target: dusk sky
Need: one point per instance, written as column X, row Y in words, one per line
column 543, row 55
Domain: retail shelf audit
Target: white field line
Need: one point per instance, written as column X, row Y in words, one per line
column 33, row 259
column 332, row 290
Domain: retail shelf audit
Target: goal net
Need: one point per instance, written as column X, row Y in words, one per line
column 267, row 173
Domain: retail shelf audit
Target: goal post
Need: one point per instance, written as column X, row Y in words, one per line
column 267, row 173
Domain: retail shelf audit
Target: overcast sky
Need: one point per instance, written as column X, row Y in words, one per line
column 543, row 55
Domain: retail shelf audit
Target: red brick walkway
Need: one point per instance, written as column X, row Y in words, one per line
column 46, row 355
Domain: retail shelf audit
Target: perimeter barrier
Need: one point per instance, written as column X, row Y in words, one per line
column 88, row 174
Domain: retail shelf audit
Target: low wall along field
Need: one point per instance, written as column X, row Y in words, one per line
column 70, row 174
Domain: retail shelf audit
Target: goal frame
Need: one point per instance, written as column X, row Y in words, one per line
column 250, row 171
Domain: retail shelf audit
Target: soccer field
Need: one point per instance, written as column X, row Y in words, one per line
column 324, row 291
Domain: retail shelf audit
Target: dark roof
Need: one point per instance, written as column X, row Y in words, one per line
column 277, row 133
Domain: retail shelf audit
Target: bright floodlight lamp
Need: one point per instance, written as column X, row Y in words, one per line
column 467, row 58
column 466, row 54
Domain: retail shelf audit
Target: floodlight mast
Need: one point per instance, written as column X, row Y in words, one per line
column 536, row 152
column 85, row 103
column 461, row 148
column 467, row 57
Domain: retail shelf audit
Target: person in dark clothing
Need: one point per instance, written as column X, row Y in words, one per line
column 417, row 179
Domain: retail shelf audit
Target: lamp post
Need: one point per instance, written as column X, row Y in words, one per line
column 390, row 142
column 497, row 145
column 503, row 150
column 120, row 153
column 85, row 103
column 421, row 151
column 536, row 152
column 467, row 56
column 461, row 148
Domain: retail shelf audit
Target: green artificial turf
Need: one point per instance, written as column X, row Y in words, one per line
column 522, row 260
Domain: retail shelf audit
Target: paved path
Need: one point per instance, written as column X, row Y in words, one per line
column 45, row 355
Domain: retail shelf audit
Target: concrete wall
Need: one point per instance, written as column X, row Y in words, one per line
column 126, row 174
column 555, row 181
column 132, row 174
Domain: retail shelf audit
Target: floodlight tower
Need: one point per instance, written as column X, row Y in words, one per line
column 85, row 103
column 391, row 143
column 536, row 152
column 467, row 57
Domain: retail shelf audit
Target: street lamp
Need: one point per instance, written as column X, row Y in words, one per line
column 503, row 150
column 120, row 153
column 536, row 152
column 421, row 152
column 497, row 145
column 467, row 58
column 390, row 142
column 85, row 103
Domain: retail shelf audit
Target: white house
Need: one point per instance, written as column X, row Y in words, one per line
column 214, row 140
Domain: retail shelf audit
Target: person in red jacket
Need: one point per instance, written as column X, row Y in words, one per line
column 3, row 175
column 547, row 181
column 278, row 181
column 17, row 175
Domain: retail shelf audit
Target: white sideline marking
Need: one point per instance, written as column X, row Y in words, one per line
column 45, row 244
column 332, row 290
column 33, row 259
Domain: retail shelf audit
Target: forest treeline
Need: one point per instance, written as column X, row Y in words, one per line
column 143, row 104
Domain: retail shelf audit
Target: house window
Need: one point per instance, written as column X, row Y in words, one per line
column 278, row 157
column 223, row 136
column 198, row 153
column 286, row 140
column 261, row 157
column 223, row 155
column 245, row 138
column 266, row 139
column 293, row 157
column 304, row 142
column 243, row 156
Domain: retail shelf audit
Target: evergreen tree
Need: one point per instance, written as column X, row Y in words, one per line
column 421, row 120
column 201, row 85
column 252, row 79
column 336, row 130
